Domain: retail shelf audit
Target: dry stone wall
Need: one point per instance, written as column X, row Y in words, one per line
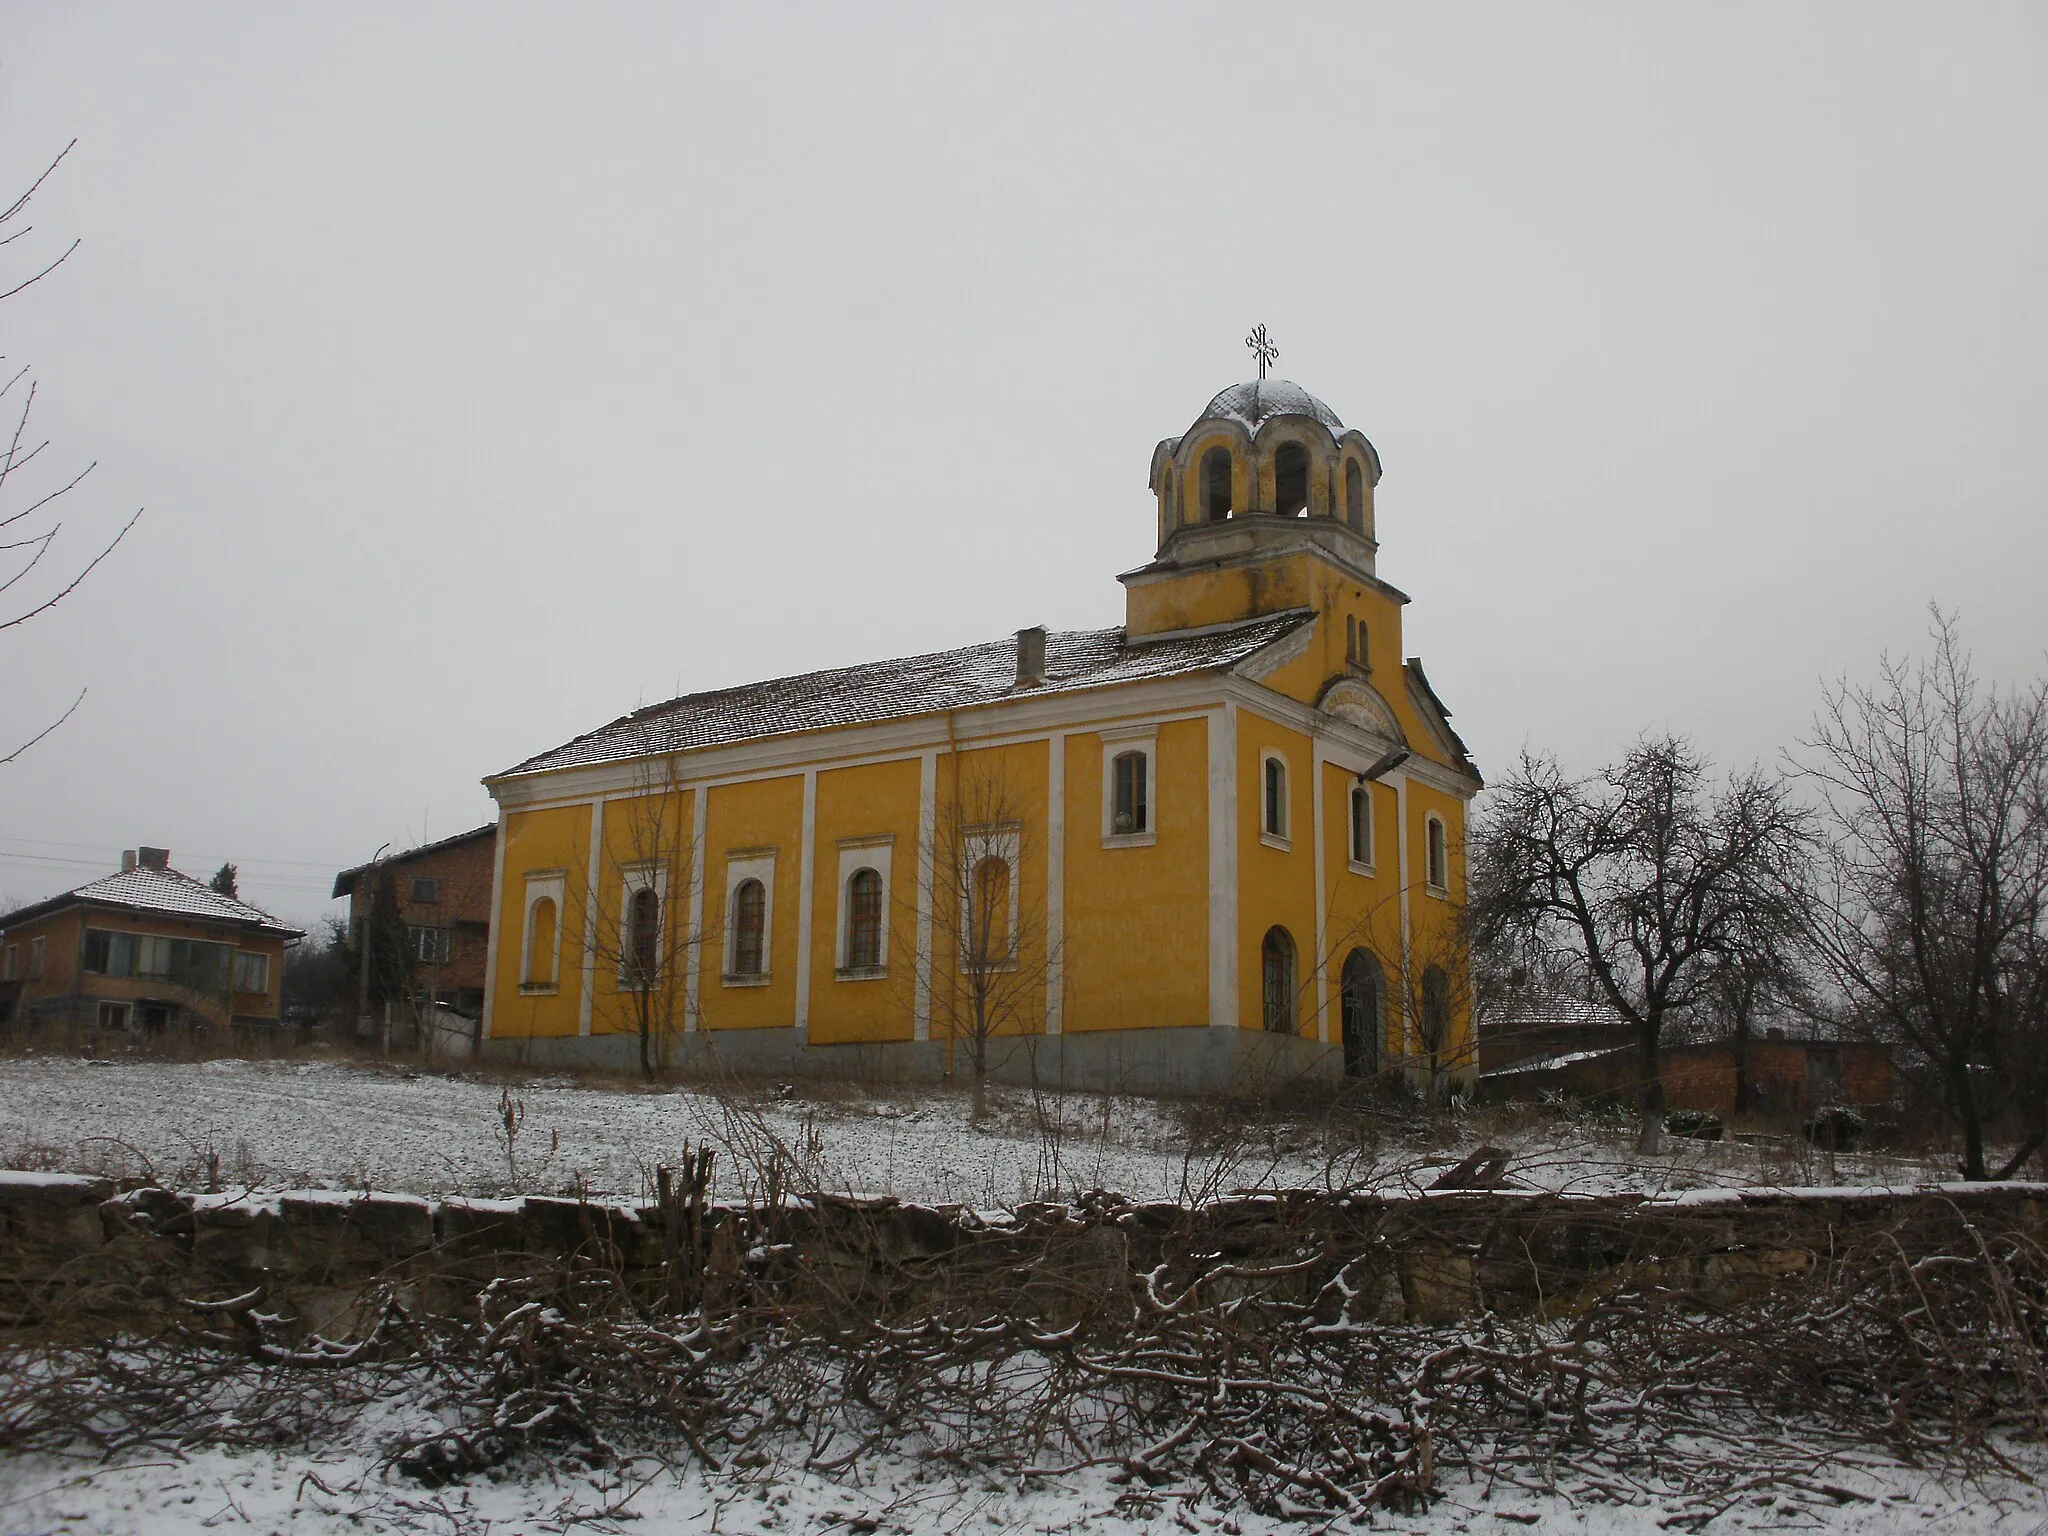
column 112, row 1253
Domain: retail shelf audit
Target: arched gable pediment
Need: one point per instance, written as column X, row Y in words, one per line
column 1356, row 702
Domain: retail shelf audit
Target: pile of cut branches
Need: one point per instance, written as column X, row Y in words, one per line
column 1287, row 1381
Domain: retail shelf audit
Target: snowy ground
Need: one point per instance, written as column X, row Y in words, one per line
column 214, row 1492
column 312, row 1124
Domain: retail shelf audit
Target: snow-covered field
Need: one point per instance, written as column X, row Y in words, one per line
column 212, row 1492
column 313, row 1124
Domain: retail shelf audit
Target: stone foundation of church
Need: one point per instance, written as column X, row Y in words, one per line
column 1147, row 1061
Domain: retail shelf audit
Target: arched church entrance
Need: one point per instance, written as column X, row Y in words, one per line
column 1362, row 1011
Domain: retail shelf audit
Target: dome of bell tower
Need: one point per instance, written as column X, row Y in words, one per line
column 1258, row 401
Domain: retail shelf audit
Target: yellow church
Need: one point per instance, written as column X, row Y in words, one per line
column 1220, row 846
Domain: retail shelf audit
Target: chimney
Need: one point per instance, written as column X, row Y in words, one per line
column 153, row 858
column 127, row 860
column 1031, row 656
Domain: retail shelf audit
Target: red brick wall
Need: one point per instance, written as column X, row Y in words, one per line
column 463, row 905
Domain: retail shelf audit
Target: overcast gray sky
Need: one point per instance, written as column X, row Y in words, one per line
column 488, row 370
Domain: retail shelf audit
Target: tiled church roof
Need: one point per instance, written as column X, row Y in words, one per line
column 913, row 685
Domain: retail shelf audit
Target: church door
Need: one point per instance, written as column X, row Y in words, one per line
column 1363, row 990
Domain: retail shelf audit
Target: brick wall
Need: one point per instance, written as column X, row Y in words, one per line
column 462, row 904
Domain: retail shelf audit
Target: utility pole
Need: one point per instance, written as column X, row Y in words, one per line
column 363, row 933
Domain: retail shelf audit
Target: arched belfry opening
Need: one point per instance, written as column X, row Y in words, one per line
column 1354, row 495
column 1290, row 480
column 1216, row 485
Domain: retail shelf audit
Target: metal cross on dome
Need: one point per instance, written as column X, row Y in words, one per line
column 1262, row 348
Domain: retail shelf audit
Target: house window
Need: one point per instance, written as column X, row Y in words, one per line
column 1216, row 485
column 540, row 951
column 1129, row 812
column 152, row 955
column 113, row 1015
column 35, row 957
column 640, row 955
column 1438, row 861
column 1290, row 480
column 8, row 961
column 252, row 972
column 864, row 921
column 426, row 889
column 749, row 929
column 1361, row 826
column 1274, row 820
column 109, row 954
column 429, row 946
column 1354, row 495
column 1276, row 957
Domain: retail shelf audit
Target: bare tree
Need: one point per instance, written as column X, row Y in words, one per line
column 1931, row 920
column 990, row 952
column 1638, row 879
column 645, row 944
column 29, row 533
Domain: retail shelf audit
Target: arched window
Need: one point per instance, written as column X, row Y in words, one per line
column 864, row 921
column 1276, row 798
column 1128, row 810
column 643, row 937
column 1216, row 485
column 1361, row 824
column 749, row 927
column 1363, row 1010
column 1354, row 495
column 1436, row 1010
column 1277, row 966
column 1290, row 480
column 540, row 943
column 988, row 913
column 1438, row 866
column 1169, row 514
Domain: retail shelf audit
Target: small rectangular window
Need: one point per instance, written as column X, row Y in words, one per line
column 35, row 958
column 252, row 973
column 1130, row 813
column 1276, row 797
column 1439, row 874
column 426, row 889
column 429, row 946
column 113, row 1015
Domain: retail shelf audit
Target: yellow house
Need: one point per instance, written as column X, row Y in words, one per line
column 1221, row 843
column 146, row 950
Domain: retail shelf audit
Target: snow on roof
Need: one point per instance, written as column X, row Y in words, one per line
column 913, row 685
column 345, row 882
column 1259, row 400
column 146, row 889
column 1551, row 1063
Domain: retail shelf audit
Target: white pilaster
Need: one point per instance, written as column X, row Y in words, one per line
column 927, row 832
column 806, row 875
column 1317, row 970
column 698, row 874
column 586, row 1005
column 1401, row 833
column 497, row 924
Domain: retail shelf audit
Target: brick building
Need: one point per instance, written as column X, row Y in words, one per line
column 147, row 950
column 443, row 897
